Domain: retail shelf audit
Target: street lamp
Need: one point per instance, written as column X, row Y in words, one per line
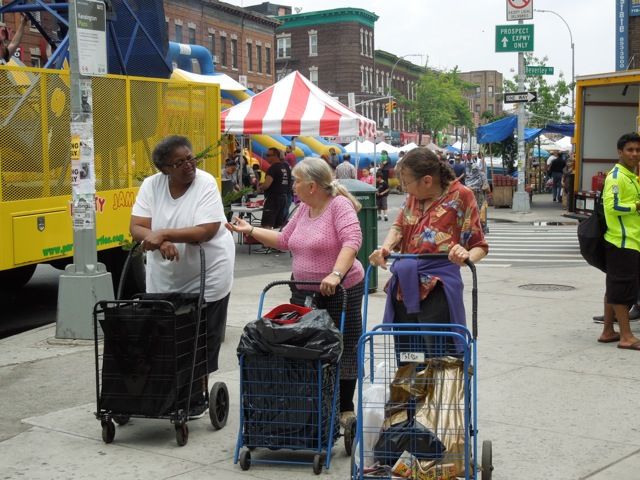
column 389, row 117
column 573, row 77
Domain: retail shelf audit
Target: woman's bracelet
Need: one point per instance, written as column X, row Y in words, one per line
column 251, row 231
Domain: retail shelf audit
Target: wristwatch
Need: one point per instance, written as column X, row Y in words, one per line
column 338, row 274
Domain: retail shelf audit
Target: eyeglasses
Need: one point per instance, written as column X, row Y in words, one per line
column 180, row 163
column 406, row 184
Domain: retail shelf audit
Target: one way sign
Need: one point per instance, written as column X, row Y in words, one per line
column 520, row 97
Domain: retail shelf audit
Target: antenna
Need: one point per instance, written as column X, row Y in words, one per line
column 297, row 9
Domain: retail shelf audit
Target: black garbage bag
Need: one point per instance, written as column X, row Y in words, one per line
column 313, row 337
column 410, row 436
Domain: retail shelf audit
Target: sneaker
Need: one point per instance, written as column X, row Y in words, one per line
column 600, row 319
column 345, row 417
column 634, row 312
column 265, row 250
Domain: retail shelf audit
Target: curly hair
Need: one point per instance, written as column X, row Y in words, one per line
column 421, row 161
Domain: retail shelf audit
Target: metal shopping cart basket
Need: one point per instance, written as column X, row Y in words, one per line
column 289, row 385
column 417, row 409
column 154, row 359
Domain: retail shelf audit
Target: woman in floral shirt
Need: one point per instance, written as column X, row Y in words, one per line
column 440, row 215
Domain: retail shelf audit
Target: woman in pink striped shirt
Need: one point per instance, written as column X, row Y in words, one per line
column 324, row 237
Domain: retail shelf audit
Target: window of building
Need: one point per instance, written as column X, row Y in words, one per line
column 361, row 42
column 192, row 36
column 490, row 90
column 250, row 57
column 490, row 107
column 267, row 55
column 284, row 47
column 223, row 51
column 313, row 75
column 259, row 57
column 212, row 45
column 234, row 53
column 371, row 43
column 477, row 108
column 178, row 33
column 32, row 25
column 477, row 91
column 35, row 61
column 1, row 14
column 313, row 43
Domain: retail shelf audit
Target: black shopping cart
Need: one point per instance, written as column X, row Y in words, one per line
column 417, row 390
column 289, row 386
column 154, row 360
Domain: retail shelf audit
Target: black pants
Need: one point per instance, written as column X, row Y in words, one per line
column 216, row 323
column 433, row 309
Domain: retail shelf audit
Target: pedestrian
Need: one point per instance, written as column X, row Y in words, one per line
column 345, row 170
column 382, row 192
column 621, row 201
column 385, row 165
column 8, row 46
column 276, row 188
column 176, row 210
column 290, row 157
column 555, row 166
column 229, row 176
column 334, row 159
column 459, row 169
column 324, row 237
column 439, row 216
column 477, row 183
column 367, row 177
column 567, row 173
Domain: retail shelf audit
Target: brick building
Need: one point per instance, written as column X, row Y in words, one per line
column 242, row 41
column 33, row 48
column 270, row 9
column 486, row 95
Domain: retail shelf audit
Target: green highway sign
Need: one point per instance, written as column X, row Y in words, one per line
column 538, row 70
column 514, row 38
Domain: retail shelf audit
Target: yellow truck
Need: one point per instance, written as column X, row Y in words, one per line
column 131, row 114
column 607, row 106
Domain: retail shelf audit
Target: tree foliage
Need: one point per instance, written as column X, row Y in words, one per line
column 552, row 97
column 440, row 102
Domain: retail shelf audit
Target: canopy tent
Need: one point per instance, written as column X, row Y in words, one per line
column 539, row 152
column 225, row 81
column 295, row 106
column 361, row 147
column 564, row 143
column 501, row 129
column 411, row 146
column 387, row 146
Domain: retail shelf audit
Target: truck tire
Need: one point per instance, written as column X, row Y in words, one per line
column 16, row 277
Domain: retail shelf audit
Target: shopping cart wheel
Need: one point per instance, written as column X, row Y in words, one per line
column 108, row 431
column 182, row 434
column 121, row 419
column 487, row 460
column 245, row 459
column 349, row 435
column 219, row 405
column 317, row 464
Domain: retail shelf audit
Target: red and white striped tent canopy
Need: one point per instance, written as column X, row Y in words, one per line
column 295, row 106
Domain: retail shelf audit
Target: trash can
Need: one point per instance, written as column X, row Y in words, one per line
column 366, row 195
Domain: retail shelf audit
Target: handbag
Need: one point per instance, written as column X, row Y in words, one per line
column 591, row 237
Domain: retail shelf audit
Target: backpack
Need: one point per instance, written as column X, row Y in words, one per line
column 591, row 237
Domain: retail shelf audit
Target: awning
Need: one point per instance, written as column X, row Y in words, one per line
column 225, row 81
column 295, row 106
column 501, row 129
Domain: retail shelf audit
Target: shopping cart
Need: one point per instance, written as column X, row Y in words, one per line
column 289, row 403
column 417, row 390
column 154, row 359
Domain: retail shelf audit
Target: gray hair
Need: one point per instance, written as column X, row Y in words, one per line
column 317, row 170
column 165, row 148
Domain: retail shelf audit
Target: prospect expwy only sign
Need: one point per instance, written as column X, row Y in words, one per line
column 519, row 10
column 514, row 38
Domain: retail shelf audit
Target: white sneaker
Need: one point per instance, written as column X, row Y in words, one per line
column 345, row 417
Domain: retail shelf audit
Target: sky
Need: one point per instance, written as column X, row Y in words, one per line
column 450, row 33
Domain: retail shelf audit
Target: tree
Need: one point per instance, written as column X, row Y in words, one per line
column 552, row 97
column 439, row 102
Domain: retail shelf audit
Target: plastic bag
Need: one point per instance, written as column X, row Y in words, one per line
column 410, row 436
column 374, row 398
column 313, row 337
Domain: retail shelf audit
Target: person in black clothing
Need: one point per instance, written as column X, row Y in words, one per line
column 382, row 192
column 556, row 166
column 276, row 188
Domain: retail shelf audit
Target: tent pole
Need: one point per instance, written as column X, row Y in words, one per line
column 491, row 162
column 357, row 157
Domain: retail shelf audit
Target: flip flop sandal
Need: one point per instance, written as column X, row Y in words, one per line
column 609, row 340
column 633, row 346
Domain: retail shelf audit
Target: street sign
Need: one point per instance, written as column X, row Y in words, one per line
column 514, row 38
column 92, row 37
column 520, row 97
column 519, row 10
column 538, row 70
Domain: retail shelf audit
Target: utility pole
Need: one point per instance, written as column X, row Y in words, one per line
column 85, row 281
column 521, row 197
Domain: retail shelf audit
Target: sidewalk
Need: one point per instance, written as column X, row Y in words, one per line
column 543, row 209
column 556, row 404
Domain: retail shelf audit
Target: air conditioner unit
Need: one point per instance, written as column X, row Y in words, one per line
column 242, row 80
column 214, row 59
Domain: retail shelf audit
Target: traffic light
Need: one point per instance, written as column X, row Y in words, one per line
column 387, row 107
column 390, row 106
column 394, row 104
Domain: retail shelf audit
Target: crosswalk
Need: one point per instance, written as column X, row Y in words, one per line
column 518, row 245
